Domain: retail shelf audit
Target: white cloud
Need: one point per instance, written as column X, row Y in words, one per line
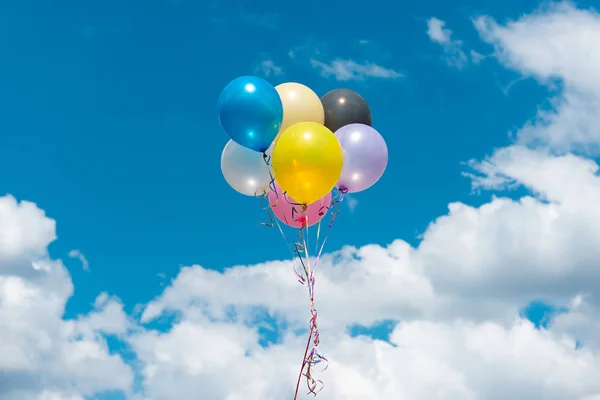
column 437, row 32
column 557, row 43
column 79, row 255
column 583, row 322
column 458, row 360
column 476, row 57
column 454, row 54
column 318, row 54
column 268, row 68
column 46, row 395
column 351, row 202
column 347, row 70
column 24, row 230
column 43, row 355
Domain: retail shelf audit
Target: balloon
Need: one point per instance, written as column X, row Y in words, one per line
column 300, row 104
column 250, row 112
column 283, row 210
column 307, row 161
column 365, row 157
column 343, row 107
column 245, row 170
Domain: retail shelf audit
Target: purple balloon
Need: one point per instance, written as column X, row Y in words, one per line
column 365, row 157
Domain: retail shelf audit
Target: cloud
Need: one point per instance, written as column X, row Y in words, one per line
column 347, row 70
column 79, row 255
column 556, row 45
column 48, row 395
column 454, row 54
column 448, row 361
column 476, row 57
column 351, row 202
column 318, row 54
column 437, row 33
column 43, row 355
column 25, row 230
column 269, row 69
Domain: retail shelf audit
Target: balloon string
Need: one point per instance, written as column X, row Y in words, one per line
column 303, row 365
column 313, row 357
column 334, row 209
column 273, row 221
column 300, row 255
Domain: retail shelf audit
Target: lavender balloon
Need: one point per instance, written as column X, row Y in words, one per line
column 365, row 157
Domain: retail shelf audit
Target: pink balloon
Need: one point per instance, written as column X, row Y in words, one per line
column 283, row 209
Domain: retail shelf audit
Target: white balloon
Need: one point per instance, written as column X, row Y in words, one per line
column 245, row 170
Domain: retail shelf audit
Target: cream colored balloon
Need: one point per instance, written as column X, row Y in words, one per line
column 300, row 104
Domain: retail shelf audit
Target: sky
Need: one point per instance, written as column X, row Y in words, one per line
column 130, row 270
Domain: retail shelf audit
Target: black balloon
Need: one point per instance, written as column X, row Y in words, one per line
column 343, row 107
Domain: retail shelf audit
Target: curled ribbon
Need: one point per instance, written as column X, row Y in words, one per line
column 300, row 255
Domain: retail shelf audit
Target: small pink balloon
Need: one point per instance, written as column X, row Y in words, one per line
column 283, row 209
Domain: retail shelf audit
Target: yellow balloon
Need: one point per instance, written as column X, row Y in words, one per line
column 307, row 161
column 300, row 104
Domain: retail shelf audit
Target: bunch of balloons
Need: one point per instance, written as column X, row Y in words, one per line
column 312, row 144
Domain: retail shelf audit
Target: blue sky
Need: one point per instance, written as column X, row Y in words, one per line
column 111, row 110
column 109, row 124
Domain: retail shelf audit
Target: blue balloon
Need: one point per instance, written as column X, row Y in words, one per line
column 250, row 112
